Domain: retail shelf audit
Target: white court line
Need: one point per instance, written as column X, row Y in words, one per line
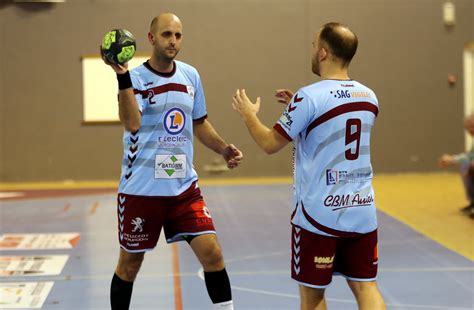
column 200, row 274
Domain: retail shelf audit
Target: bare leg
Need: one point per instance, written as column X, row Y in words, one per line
column 128, row 265
column 312, row 298
column 208, row 251
column 368, row 295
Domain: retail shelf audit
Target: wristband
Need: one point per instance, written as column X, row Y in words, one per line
column 124, row 80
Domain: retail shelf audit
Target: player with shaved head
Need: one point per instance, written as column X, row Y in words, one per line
column 334, row 224
column 162, row 106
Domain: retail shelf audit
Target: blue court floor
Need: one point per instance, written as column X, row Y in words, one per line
column 253, row 228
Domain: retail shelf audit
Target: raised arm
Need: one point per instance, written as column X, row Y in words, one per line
column 129, row 113
column 268, row 139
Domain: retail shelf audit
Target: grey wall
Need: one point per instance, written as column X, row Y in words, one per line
column 405, row 55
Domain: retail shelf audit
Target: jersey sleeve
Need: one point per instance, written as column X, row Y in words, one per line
column 296, row 116
column 140, row 94
column 199, row 108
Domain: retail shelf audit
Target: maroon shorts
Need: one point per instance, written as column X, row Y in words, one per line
column 140, row 219
column 315, row 258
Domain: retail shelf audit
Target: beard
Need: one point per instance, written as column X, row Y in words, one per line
column 166, row 56
column 315, row 66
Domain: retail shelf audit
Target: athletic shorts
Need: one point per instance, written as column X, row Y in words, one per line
column 140, row 219
column 315, row 258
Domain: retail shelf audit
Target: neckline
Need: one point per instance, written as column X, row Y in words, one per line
column 162, row 74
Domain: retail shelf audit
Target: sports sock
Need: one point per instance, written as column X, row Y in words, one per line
column 218, row 287
column 120, row 293
column 227, row 305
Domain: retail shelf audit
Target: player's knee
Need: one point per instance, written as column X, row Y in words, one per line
column 213, row 258
column 129, row 270
column 360, row 288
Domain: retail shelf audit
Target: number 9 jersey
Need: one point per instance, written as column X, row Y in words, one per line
column 330, row 123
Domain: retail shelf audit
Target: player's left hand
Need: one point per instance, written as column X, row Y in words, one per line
column 233, row 156
column 243, row 105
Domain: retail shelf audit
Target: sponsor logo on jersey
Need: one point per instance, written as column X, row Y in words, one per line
column 170, row 166
column 175, row 121
column 348, row 201
column 334, row 177
column 286, row 120
column 349, row 94
column 171, row 142
column 191, row 91
column 323, row 262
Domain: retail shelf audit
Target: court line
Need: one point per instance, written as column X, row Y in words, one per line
column 178, row 301
column 94, row 208
column 200, row 274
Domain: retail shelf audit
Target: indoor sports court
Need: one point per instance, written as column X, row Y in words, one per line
column 61, row 150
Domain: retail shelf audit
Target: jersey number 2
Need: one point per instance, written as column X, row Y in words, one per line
column 353, row 131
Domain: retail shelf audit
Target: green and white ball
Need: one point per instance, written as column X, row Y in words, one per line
column 118, row 46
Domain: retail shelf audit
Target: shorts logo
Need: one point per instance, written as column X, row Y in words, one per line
column 175, row 121
column 322, row 262
column 206, row 212
column 138, row 222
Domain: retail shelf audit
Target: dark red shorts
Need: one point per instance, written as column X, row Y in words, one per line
column 140, row 219
column 315, row 258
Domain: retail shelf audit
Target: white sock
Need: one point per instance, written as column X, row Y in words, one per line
column 226, row 305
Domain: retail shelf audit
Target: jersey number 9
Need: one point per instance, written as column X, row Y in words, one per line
column 353, row 131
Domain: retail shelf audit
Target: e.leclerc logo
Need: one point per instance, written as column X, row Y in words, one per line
column 175, row 120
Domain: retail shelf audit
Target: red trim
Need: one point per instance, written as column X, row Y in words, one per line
column 162, row 89
column 342, row 109
column 334, row 232
column 282, row 132
column 200, row 120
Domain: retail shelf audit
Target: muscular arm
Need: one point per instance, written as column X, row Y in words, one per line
column 208, row 136
column 129, row 113
column 268, row 139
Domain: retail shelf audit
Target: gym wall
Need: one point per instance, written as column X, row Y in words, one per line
column 405, row 54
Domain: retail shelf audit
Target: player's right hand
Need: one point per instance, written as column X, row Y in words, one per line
column 446, row 161
column 284, row 95
column 119, row 69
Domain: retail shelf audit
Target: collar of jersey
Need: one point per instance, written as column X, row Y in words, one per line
column 162, row 74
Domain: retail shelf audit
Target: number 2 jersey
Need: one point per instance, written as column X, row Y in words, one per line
column 158, row 158
column 330, row 123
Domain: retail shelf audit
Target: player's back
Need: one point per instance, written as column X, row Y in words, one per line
column 333, row 174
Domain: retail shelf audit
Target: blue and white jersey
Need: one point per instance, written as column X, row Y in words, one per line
column 158, row 158
column 330, row 123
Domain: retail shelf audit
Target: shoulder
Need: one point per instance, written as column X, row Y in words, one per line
column 369, row 91
column 186, row 67
column 139, row 72
column 313, row 91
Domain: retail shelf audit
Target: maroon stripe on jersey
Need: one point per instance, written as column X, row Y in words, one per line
column 282, row 132
column 200, row 120
column 331, row 231
column 162, row 89
column 342, row 109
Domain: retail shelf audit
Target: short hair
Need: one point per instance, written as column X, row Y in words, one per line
column 342, row 44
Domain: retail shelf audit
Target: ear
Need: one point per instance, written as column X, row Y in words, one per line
column 151, row 38
column 323, row 54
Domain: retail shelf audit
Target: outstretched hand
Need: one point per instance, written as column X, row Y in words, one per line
column 243, row 105
column 119, row 69
column 233, row 156
column 284, row 96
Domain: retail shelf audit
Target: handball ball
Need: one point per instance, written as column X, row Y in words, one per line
column 118, row 46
